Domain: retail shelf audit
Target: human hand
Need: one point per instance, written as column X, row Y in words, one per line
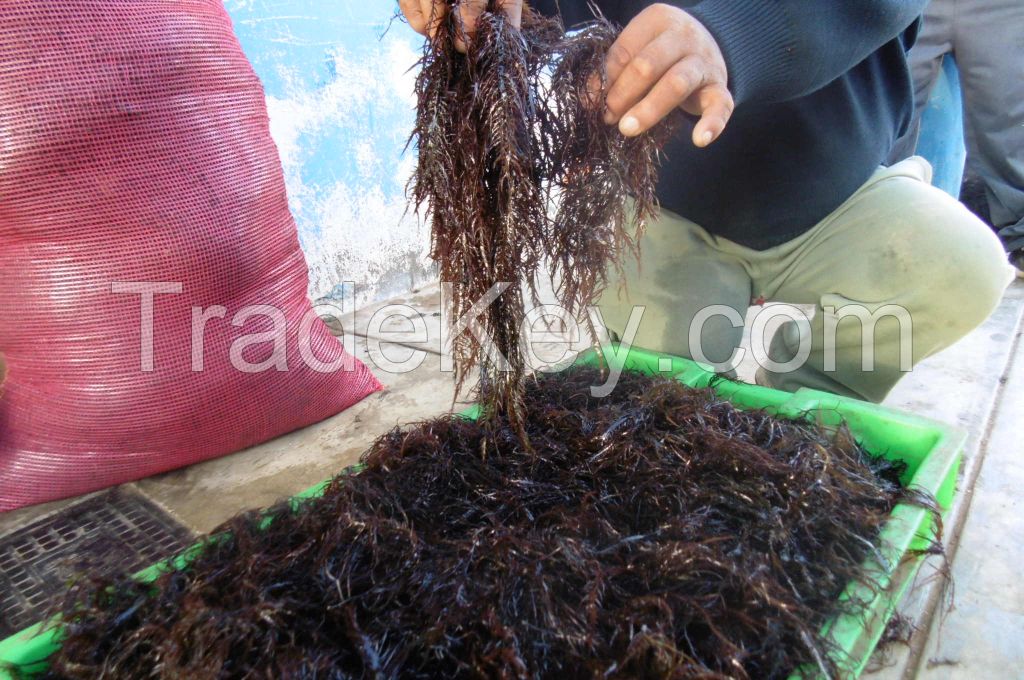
column 425, row 15
column 662, row 60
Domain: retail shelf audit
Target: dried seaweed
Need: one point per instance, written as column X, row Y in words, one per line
column 520, row 176
column 655, row 533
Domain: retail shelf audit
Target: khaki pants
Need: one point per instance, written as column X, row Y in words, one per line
column 896, row 244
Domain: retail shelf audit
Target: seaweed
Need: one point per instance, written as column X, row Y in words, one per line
column 655, row 533
column 519, row 177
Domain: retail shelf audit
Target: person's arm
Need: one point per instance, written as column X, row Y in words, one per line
column 776, row 50
column 717, row 54
column 424, row 15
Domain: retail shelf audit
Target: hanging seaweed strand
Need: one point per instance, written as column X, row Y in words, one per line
column 504, row 132
column 601, row 183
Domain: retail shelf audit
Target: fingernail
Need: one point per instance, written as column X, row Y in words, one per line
column 705, row 138
column 629, row 126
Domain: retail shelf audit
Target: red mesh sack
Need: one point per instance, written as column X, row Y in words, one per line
column 135, row 154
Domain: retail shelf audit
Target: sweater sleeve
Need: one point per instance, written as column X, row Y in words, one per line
column 777, row 50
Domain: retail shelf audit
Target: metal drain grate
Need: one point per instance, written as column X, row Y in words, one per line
column 114, row 531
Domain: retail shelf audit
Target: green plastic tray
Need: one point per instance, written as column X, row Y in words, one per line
column 931, row 450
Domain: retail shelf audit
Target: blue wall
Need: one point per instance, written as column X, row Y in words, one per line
column 339, row 94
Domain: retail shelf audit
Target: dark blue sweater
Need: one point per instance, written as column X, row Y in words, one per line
column 822, row 90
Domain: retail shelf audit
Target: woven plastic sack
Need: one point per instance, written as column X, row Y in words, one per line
column 135, row 155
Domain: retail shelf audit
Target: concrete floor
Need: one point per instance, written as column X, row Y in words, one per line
column 975, row 630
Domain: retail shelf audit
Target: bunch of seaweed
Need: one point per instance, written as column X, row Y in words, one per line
column 656, row 533
column 519, row 176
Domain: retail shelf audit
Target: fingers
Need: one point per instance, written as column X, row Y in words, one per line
column 662, row 60
column 672, row 88
column 593, row 98
column 634, row 37
column 425, row 15
column 713, row 103
column 644, row 72
column 413, row 11
column 470, row 11
column 716, row 106
column 513, row 9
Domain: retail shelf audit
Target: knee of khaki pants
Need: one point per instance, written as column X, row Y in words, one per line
column 908, row 243
column 958, row 277
column 900, row 243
